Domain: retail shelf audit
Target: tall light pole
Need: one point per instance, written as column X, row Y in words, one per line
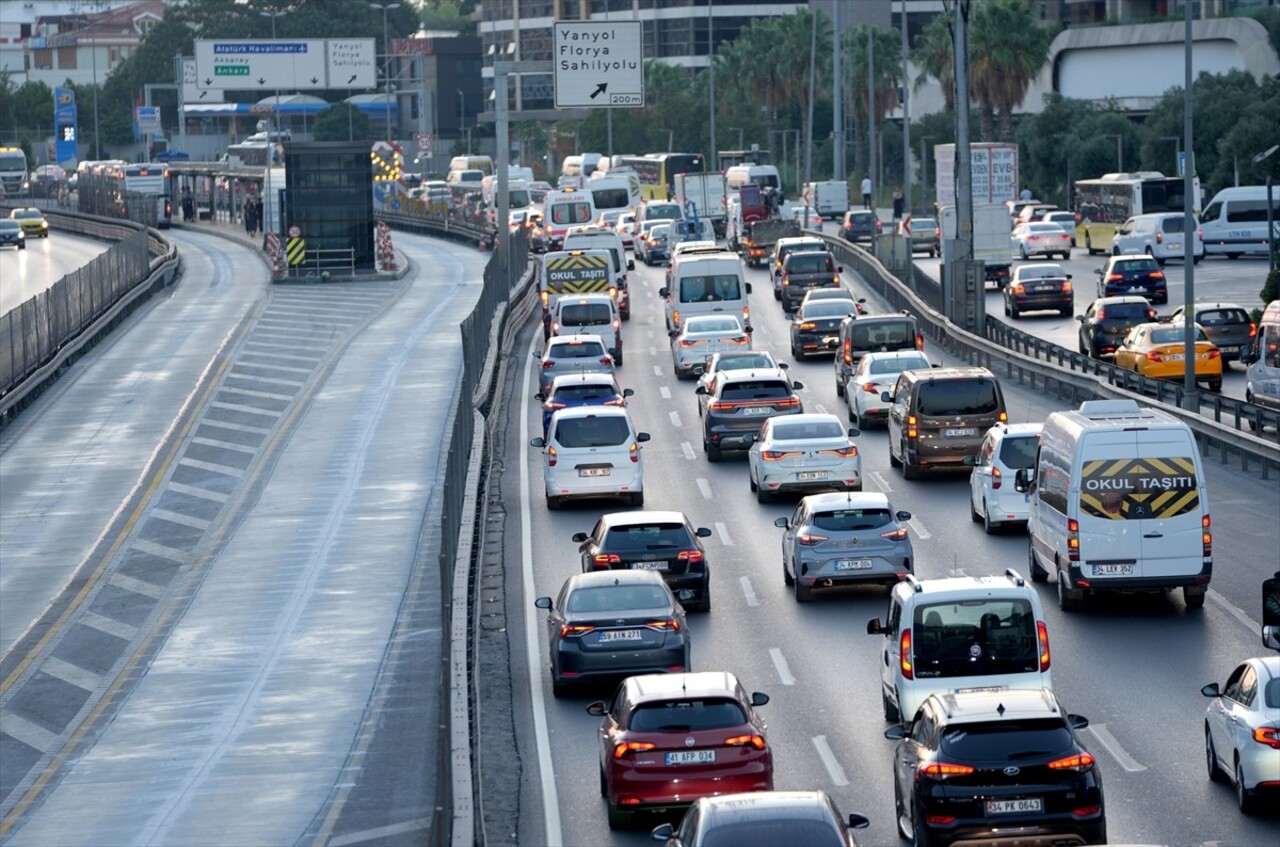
column 386, row 50
column 1271, row 215
column 837, row 99
column 1177, row 147
column 906, row 116
column 1190, row 400
column 924, row 177
column 462, row 111
column 711, row 71
column 267, row 205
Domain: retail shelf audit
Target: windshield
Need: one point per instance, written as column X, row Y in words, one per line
column 593, row 431
column 687, row 715
column 809, row 263
column 984, row 636
column 1174, row 335
column 959, row 397
column 583, row 393
column 710, row 288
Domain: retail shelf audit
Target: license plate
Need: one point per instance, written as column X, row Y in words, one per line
column 1013, row 807
column 853, row 565
column 757, row 410
column 1113, row 570
column 593, row 471
column 621, row 635
column 1231, row 349
column 1141, row 289
column 830, row 340
column 959, row 433
column 651, row 566
column 988, row 689
column 1175, row 357
column 1174, row 245
column 691, row 757
column 809, row 476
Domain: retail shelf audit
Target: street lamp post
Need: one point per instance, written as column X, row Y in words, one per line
column 1271, row 215
column 1119, row 151
column 267, row 206
column 386, row 50
column 924, row 176
column 1177, row 147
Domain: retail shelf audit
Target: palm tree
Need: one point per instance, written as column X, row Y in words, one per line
column 932, row 54
column 887, row 66
column 1008, row 47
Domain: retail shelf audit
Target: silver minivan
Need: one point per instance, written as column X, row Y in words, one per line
column 1263, row 359
column 1157, row 235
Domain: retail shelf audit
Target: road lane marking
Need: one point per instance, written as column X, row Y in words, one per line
column 784, row 671
column 687, row 449
column 1233, row 610
column 71, row 674
column 533, row 652
column 704, row 487
column 748, row 591
column 20, row 729
column 723, row 532
column 137, row 586
column 820, row 409
column 380, row 832
column 881, row 482
column 657, row 371
column 675, row 418
column 664, row 392
column 919, row 528
column 1117, row 752
column 108, row 625
column 829, row 761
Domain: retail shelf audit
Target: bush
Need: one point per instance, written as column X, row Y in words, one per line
column 1271, row 289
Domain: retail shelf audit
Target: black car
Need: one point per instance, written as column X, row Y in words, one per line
column 738, row 402
column 860, row 226
column 1041, row 286
column 655, row 246
column 805, row 271
column 983, row 765
column 873, row 334
column 1108, row 320
column 662, row 542
column 11, row 234
column 608, row 626
column 815, row 328
column 1133, row 275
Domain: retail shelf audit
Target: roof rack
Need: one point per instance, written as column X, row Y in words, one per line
column 914, row 583
column 1014, row 577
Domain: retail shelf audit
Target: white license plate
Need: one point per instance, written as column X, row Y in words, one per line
column 809, row 476
column 593, row 471
column 1013, row 807
column 621, row 635
column 1141, row 289
column 843, row 565
column 1174, row 245
column 757, row 410
column 651, row 566
column 691, row 757
column 959, row 433
column 1113, row 570
column 830, row 340
column 989, row 689
column 1175, row 357
column 1231, row 349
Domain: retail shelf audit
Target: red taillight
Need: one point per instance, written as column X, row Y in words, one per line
column 1268, row 735
column 606, row 360
column 1253, row 330
column 904, row 655
column 635, row 452
column 995, row 479
column 753, row 740
column 845, row 350
column 551, row 407
column 1042, row 634
column 1078, row 762
column 899, row 534
column 1159, row 238
column 1155, row 356
column 604, row 560
column 870, row 388
column 685, row 343
column 693, row 557
column 1114, row 277
column 668, row 625
column 942, row 770
column 1206, row 536
column 912, row 431
column 570, row 630
column 775, row 455
column 1086, row 811
column 621, row 750
column 810, row 539
column 842, row 452
column 1066, row 288
column 1157, row 274
column 1101, row 314
column 1073, row 539
column 940, row 820
column 1018, row 289
column 919, row 341
column 547, row 364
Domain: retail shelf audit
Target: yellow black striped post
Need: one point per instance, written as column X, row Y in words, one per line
column 296, row 250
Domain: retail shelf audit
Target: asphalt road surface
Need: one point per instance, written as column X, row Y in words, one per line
column 26, row 273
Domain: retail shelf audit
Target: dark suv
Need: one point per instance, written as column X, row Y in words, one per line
column 664, row 542
column 802, row 272
column 739, row 402
column 860, row 226
column 1133, row 275
column 984, row 764
column 872, row 334
column 1105, row 323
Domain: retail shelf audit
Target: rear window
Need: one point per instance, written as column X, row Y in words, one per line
column 898, row 365
column 785, row 250
column 710, row 288
column 714, row 325
column 1173, row 223
column 808, row 429
column 829, row 309
column 650, row 536
column 585, row 314
column 804, row 263
column 581, row 350
column 1271, row 694
column 1221, row 317
column 618, row 598
column 1019, row 451
column 848, row 520
column 593, row 431
column 891, row 334
column 687, row 715
column 571, row 213
column 1174, row 335
column 958, row 397
column 583, row 393
column 756, row 389
column 1136, row 266
column 1007, row 741
column 666, row 211
column 1125, row 314
column 771, row 831
column 944, row 637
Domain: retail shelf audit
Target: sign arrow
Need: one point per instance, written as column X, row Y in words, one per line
column 600, row 89
column 353, row 79
column 262, row 80
column 314, row 80
column 202, row 94
column 208, row 81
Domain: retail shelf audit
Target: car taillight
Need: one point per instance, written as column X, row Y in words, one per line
column 786, row 279
column 1253, row 330
column 1206, row 536
column 606, row 360
column 635, row 452
column 742, row 339
column 1073, row 539
column 617, row 325
column 621, row 750
column 1155, row 356
column 693, row 557
column 904, row 654
column 996, row 482
column 871, row 388
column 668, row 625
column 1066, row 288
column 789, row 403
column 912, row 430
column 753, row 740
column 1115, row 277
column 919, row 341
column 1004, row 417
column 675, row 318
column 1018, row 289
column 775, row 455
column 551, row 407
column 899, row 534
column 1101, row 315
column 548, row 363
column 1079, row 762
column 686, row 343
column 1159, row 238
column 570, row 630
column 942, row 770
column 551, row 457
column 604, row 560
column 846, row 350
column 1268, row 735
column 842, row 452
column 545, row 299
column 808, row 539
column 1157, row 274
column 878, row 225
column 1042, row 635
column 1213, row 353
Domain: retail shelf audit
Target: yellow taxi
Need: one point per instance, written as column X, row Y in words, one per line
column 32, row 221
column 1158, row 350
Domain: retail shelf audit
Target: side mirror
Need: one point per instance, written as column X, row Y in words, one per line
column 935, row 365
column 1022, row 481
column 1080, row 318
column 781, row 523
column 903, row 515
column 664, row 292
column 857, row 821
column 579, row 537
column 1248, row 354
column 748, row 288
column 663, row 833
column 543, row 603
column 886, row 397
column 642, row 437
column 1211, row 690
column 628, row 392
column 854, row 432
column 701, row 389
column 537, row 442
column 597, row 708
column 797, row 385
column 783, row 366
column 895, row 732
column 540, row 396
column 789, row 316
column 672, row 333
column 631, row 264
column 1098, row 271
column 1069, row 276
column 759, row 698
column 1077, row 721
column 874, row 627
column 702, row 532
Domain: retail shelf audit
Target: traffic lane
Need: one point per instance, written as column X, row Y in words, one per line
column 43, row 262
column 72, row 458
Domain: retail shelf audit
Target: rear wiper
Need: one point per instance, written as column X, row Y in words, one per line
column 675, row 727
column 1029, row 754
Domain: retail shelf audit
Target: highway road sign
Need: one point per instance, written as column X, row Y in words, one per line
column 598, row 63
column 262, row 64
column 352, row 63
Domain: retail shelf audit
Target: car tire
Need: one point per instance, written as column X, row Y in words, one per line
column 554, row 503
column 1245, row 799
column 804, row 593
column 1193, row 597
column 763, row 496
column 1215, row 385
column 1038, row 574
column 559, row 689
column 1022, row 251
column 1233, row 256
column 787, row 579
column 1068, row 601
column 617, row 360
column 796, row 354
column 704, row 605
column 973, row 513
column 752, row 482
column 894, row 461
column 636, row 499
column 1216, row 773
column 862, row 422
column 1014, row 312
column 1006, row 308
column 777, row 295
column 714, row 453
column 890, row 709
column 909, row 471
column 625, row 314
column 618, row 819
column 840, row 392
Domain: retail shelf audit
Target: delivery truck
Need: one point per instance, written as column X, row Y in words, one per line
column 830, row 199
column 992, row 244
column 707, row 192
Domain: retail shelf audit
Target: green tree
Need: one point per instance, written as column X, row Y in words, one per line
column 448, row 15
column 341, row 122
column 1008, row 47
column 886, row 64
column 27, row 109
column 932, row 53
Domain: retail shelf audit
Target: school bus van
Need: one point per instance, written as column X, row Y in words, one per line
column 568, row 272
column 1118, row 503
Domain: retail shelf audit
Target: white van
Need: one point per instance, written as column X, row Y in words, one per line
column 564, row 209
column 592, row 451
column 1263, row 359
column 484, row 164
column 1118, row 503
column 765, row 176
column 1158, row 235
column 604, row 238
column 591, row 314
column 1235, row 222
column 616, row 190
column 705, row 285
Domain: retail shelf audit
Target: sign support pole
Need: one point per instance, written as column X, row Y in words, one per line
column 502, row 134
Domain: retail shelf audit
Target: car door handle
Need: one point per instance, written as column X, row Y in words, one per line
column 1153, row 535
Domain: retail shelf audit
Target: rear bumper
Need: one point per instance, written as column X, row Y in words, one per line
column 1030, row 302
column 635, row 790
column 1078, row 578
column 578, row 666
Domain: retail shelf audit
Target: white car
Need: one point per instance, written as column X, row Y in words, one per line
column 593, row 314
column 1159, row 236
column 702, row 336
column 572, row 354
column 1042, row 239
column 803, row 454
column 875, row 374
column 1242, row 731
column 592, row 451
column 1006, row 449
column 626, row 228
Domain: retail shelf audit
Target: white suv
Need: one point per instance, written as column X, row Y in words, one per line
column 592, row 451
column 947, row 636
column 1157, row 235
column 1007, row 448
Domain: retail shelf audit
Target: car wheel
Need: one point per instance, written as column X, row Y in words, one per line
column 863, row 422
column 909, row 471
column 777, row 295
column 973, row 513
column 1068, row 601
column 894, row 461
column 713, row 453
column 636, row 498
column 618, row 819
column 987, row 526
column 1006, row 308
column 1193, row 596
column 1216, row 773
column 795, row 353
column 625, row 314
column 787, row 579
column 1245, row 799
column 617, row 360
column 1038, row 574
column 704, row 605
column 559, row 689
column 763, row 496
column 1215, row 385
column 804, row 593
column 752, row 482
column 1083, row 350
column 839, row 388
column 1022, row 251
column 1233, row 255
column 890, row 708
column 554, row 503
column 1014, row 312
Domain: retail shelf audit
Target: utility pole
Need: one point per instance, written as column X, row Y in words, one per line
column 964, row 164
column 813, row 53
column 711, row 71
column 872, row 146
column 907, row 170
column 837, row 100
column 386, row 49
column 1190, row 400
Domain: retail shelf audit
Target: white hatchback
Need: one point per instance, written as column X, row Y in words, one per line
column 1006, row 449
column 875, row 374
column 592, row 451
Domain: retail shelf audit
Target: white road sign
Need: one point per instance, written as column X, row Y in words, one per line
column 598, row 63
column 352, row 63
column 262, row 64
column 191, row 92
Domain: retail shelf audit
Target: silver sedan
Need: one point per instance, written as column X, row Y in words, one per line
column 803, row 453
column 701, row 337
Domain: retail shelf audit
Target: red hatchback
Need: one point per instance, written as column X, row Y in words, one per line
column 668, row 739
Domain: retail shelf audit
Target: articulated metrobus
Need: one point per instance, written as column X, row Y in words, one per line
column 1103, row 205
column 657, row 171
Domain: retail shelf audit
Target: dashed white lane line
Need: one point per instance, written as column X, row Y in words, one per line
column 704, row 487
column 919, row 528
column 653, row 351
column 675, row 418
column 881, row 482
column 651, row 333
column 748, row 591
column 723, row 532
column 1117, row 752
column 784, row 671
column 665, row 392
column 657, row 371
column 687, row 449
column 819, row 408
column 829, row 761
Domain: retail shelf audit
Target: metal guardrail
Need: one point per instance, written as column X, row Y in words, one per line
column 446, row 227
column 1053, row 373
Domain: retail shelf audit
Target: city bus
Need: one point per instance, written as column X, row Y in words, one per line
column 729, row 158
column 657, row 172
column 1103, row 205
column 136, row 192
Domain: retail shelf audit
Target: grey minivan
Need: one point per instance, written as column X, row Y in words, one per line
column 804, row 271
column 939, row 417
